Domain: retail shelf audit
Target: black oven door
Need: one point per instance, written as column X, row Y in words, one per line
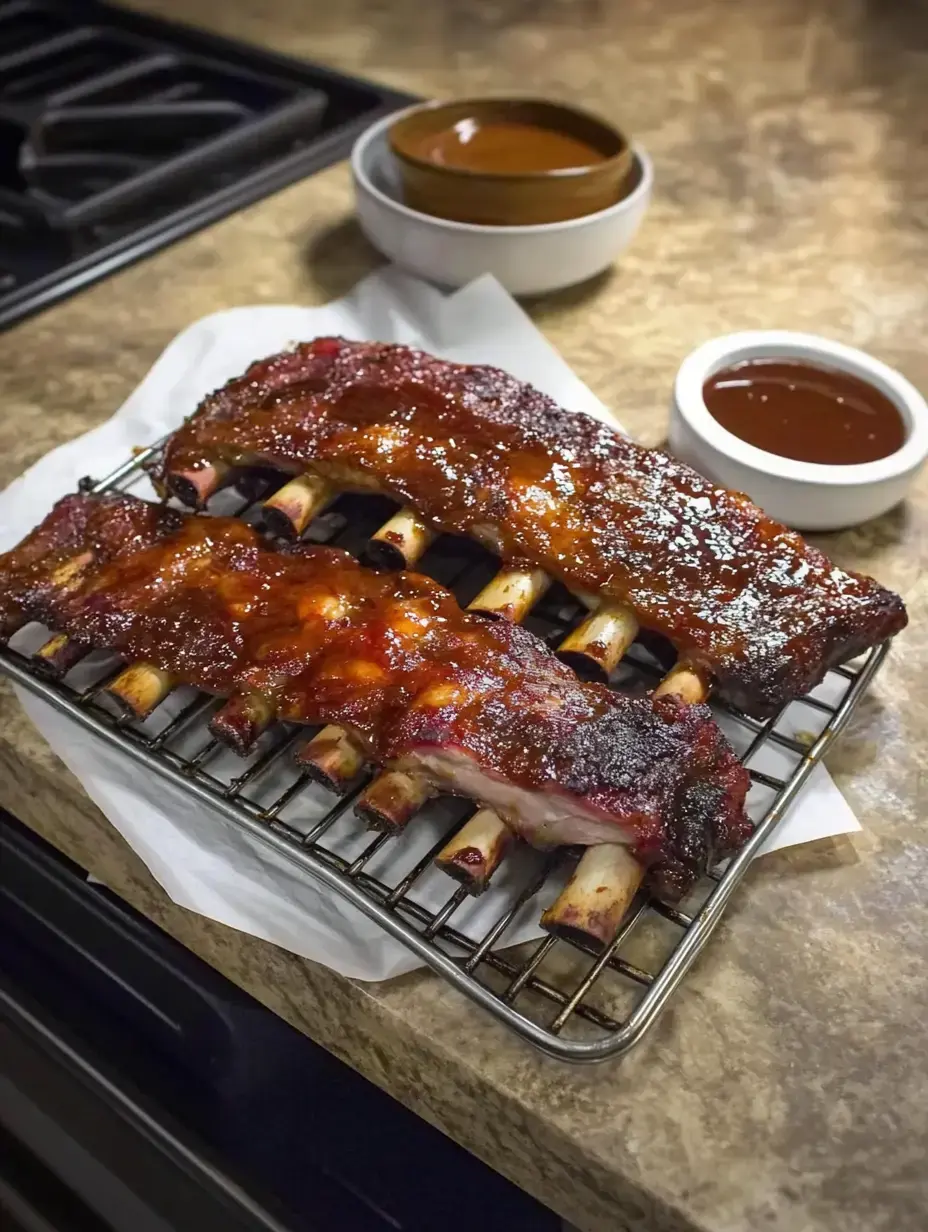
column 78, row 1151
column 140, row 1090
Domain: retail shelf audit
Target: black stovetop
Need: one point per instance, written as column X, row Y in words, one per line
column 120, row 133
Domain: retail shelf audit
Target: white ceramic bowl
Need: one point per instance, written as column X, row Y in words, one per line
column 804, row 495
column 526, row 260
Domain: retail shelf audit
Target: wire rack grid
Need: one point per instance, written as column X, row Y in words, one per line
column 569, row 1001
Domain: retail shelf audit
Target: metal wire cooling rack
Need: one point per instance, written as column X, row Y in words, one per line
column 572, row 1003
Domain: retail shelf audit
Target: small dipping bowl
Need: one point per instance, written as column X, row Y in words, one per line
column 509, row 162
column 526, row 260
column 805, row 495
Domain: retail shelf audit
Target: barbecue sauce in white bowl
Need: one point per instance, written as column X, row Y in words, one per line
column 820, row 435
column 797, row 410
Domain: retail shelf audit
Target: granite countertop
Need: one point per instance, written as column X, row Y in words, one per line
column 786, row 1087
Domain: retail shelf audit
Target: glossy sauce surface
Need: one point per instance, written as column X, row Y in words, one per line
column 391, row 655
column 501, row 146
column 479, row 453
column 811, row 414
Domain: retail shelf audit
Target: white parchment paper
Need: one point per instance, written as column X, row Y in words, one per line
column 204, row 862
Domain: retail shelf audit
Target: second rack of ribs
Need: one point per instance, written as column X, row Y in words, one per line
column 482, row 708
column 477, row 452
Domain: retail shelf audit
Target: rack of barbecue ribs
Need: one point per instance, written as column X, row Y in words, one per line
column 648, row 544
column 476, row 707
column 751, row 607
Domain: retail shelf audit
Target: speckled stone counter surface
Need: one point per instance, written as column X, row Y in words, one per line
column 787, row 1087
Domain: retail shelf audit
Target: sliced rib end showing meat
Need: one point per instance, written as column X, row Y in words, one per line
column 653, row 774
column 391, row 799
column 476, row 851
column 707, row 818
column 390, row 802
column 242, row 721
column 333, row 758
column 602, row 889
column 139, row 689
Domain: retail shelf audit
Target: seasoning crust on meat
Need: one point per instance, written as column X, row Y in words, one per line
column 480, row 707
column 479, row 453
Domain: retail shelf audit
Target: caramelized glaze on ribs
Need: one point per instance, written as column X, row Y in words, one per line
column 481, row 707
column 480, row 453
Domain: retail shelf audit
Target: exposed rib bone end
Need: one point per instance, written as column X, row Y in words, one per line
column 512, row 594
column 139, row 689
column 593, row 904
column 595, row 647
column 399, row 543
column 59, row 654
column 686, row 682
column 291, row 509
column 391, row 800
column 476, row 851
column 331, row 758
column 242, row 721
column 193, row 488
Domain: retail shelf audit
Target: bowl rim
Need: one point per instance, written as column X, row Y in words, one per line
column 376, row 131
column 727, row 349
column 606, row 164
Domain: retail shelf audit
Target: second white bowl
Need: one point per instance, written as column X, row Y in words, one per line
column 804, row 495
column 526, row 260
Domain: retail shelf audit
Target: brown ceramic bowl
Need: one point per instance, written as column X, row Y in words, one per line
column 501, row 197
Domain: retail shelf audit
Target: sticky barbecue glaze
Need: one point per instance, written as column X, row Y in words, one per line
column 798, row 410
column 391, row 656
column 480, row 453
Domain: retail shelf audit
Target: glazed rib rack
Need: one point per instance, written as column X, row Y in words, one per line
column 567, row 996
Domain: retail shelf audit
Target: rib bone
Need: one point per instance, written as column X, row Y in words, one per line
column 391, row 800
column 140, row 688
column 400, row 542
column 511, row 594
column 593, row 904
column 332, row 758
column 194, row 487
column 476, row 851
column 291, row 509
column 242, row 720
column 59, row 654
column 685, row 681
column 595, row 647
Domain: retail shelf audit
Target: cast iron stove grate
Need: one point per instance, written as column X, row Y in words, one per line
column 569, row 1001
column 120, row 133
